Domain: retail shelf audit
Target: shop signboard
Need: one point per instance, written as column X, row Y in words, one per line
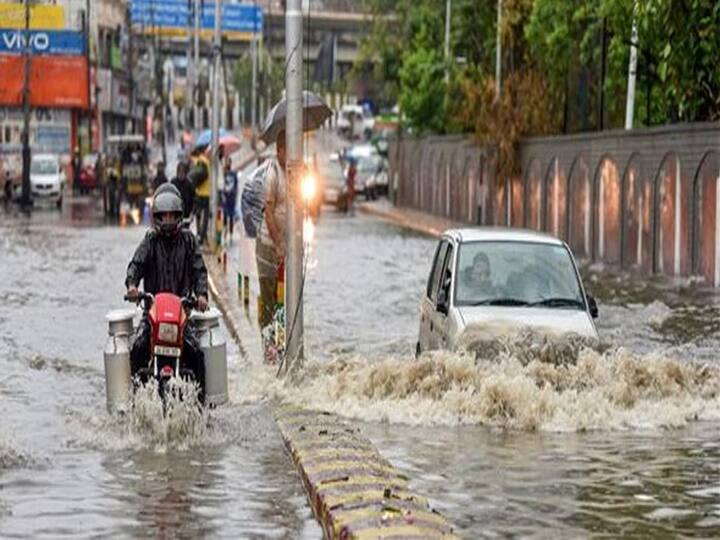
column 62, row 42
column 170, row 17
column 55, row 81
column 42, row 16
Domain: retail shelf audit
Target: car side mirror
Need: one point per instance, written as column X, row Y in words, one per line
column 592, row 306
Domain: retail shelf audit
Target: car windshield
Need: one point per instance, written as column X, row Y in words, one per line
column 368, row 164
column 43, row 166
column 517, row 274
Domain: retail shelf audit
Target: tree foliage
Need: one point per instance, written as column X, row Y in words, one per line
column 570, row 57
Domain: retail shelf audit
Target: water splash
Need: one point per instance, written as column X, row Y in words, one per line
column 178, row 423
column 522, row 382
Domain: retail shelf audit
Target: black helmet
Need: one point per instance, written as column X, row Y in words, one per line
column 167, row 210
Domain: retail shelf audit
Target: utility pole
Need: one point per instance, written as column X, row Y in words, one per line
column 25, row 201
column 294, row 138
column 632, row 73
column 190, row 72
column 253, row 83
column 448, row 11
column 196, row 64
column 498, row 50
column 215, row 178
column 87, row 63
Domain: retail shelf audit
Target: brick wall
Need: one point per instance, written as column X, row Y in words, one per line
column 645, row 199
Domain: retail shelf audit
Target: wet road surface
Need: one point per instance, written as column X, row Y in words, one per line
column 619, row 441
column 67, row 469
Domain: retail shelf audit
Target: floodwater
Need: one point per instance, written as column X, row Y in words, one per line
column 535, row 438
column 67, row 468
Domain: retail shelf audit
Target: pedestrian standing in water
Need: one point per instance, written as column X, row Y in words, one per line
column 160, row 177
column 187, row 191
column 76, row 169
column 270, row 244
column 200, row 177
column 229, row 199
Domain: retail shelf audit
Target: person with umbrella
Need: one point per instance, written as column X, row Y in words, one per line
column 270, row 245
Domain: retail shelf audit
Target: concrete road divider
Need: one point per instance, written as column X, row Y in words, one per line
column 353, row 490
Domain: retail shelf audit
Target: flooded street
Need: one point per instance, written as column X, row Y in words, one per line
column 68, row 469
column 619, row 440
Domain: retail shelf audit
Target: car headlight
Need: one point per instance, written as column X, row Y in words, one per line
column 308, row 187
column 168, row 332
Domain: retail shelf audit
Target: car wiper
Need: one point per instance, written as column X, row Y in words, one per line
column 558, row 302
column 500, row 302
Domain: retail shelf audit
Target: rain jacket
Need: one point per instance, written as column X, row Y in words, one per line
column 169, row 264
column 200, row 175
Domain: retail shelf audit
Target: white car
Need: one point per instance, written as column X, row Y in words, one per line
column 502, row 280
column 46, row 179
column 355, row 121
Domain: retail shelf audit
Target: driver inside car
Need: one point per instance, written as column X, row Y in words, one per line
column 477, row 277
column 167, row 260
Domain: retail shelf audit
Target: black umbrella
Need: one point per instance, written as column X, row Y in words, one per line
column 315, row 112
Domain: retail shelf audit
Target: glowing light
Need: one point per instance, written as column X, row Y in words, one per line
column 307, row 187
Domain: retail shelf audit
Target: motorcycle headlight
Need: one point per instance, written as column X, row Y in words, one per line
column 168, row 332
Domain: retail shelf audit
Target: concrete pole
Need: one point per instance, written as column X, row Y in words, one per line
column 26, row 203
column 498, row 50
column 632, row 76
column 294, row 138
column 253, row 84
column 190, row 66
column 448, row 11
column 215, row 164
column 196, row 64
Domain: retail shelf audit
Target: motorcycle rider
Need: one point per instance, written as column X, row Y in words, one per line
column 168, row 260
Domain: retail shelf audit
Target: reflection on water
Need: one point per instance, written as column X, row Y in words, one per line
column 498, row 483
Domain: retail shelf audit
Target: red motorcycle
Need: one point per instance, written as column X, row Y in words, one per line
column 168, row 316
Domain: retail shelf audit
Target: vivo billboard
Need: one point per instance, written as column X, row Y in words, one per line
column 61, row 42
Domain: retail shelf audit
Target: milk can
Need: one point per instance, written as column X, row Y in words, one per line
column 212, row 343
column 117, row 360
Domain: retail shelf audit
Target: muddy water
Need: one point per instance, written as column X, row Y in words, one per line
column 67, row 469
column 618, row 439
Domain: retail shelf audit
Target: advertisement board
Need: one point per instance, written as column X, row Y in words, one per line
column 170, row 17
column 64, row 42
column 55, row 81
column 42, row 16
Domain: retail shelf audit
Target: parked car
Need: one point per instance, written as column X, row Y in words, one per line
column 502, row 278
column 46, row 179
column 355, row 122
